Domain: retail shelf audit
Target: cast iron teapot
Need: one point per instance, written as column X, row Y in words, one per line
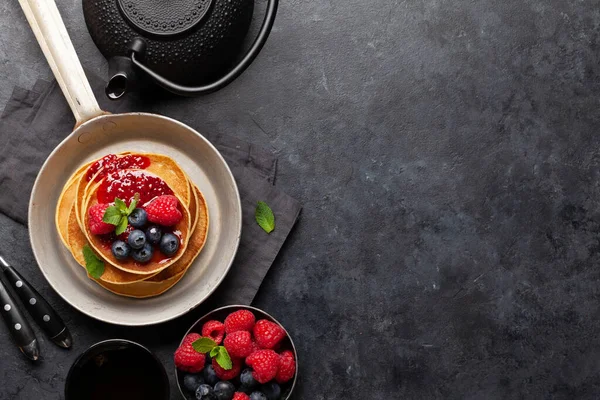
column 182, row 45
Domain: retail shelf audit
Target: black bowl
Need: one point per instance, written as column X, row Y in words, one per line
column 117, row 369
column 220, row 314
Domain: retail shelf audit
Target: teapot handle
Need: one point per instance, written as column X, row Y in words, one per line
column 236, row 71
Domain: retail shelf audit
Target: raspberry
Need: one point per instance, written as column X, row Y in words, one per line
column 190, row 338
column 214, row 330
column 188, row 359
column 240, row 396
column 268, row 334
column 238, row 344
column 227, row 374
column 163, row 210
column 265, row 364
column 255, row 346
column 242, row 320
column 97, row 226
column 287, row 367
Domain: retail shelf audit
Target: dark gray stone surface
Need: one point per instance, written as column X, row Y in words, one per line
column 446, row 153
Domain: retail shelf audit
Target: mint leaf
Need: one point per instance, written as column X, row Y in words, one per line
column 264, row 217
column 112, row 215
column 120, row 204
column 214, row 352
column 93, row 264
column 223, row 358
column 136, row 199
column 204, row 345
column 122, row 226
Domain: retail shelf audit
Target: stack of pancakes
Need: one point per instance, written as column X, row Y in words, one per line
column 127, row 277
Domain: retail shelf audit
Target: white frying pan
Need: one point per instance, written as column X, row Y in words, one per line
column 98, row 133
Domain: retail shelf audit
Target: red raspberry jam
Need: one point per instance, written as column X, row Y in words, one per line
column 113, row 163
column 125, row 184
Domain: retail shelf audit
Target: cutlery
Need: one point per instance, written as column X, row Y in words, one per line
column 17, row 325
column 39, row 309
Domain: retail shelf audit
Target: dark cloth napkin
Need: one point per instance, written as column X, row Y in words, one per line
column 35, row 121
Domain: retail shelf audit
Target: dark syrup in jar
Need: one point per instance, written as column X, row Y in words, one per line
column 118, row 374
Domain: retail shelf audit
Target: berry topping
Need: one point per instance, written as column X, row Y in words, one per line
column 188, row 359
column 272, row 391
column 111, row 163
column 210, row 377
column 287, row 367
column 240, row 396
column 214, row 330
column 192, row 381
column 120, row 249
column 163, row 210
column 169, row 244
column 205, row 392
column 153, row 234
column 265, row 364
column 242, row 320
column 138, row 218
column 268, row 334
column 227, row 374
column 97, row 226
column 137, row 239
column 144, row 254
column 125, row 184
column 224, row 390
column 238, row 344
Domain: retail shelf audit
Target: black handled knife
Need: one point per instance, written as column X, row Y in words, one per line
column 17, row 325
column 39, row 309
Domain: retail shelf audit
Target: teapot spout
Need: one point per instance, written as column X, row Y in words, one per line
column 122, row 77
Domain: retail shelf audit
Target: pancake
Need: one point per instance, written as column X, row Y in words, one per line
column 127, row 277
column 166, row 279
column 155, row 265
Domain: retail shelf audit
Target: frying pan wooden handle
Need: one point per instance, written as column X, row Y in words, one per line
column 52, row 35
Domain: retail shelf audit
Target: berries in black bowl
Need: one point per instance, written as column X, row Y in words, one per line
column 144, row 254
column 153, row 234
column 138, row 218
column 192, row 381
column 205, row 392
column 169, row 244
column 120, row 249
column 136, row 239
column 224, row 390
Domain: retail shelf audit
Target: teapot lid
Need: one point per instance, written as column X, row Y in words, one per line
column 164, row 18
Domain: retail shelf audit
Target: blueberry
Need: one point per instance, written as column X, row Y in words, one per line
column 271, row 390
column 120, row 249
column 192, row 381
column 210, row 377
column 169, row 244
column 138, row 218
column 258, row 396
column 144, row 254
column 205, row 392
column 224, row 390
column 136, row 239
column 247, row 380
column 153, row 234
